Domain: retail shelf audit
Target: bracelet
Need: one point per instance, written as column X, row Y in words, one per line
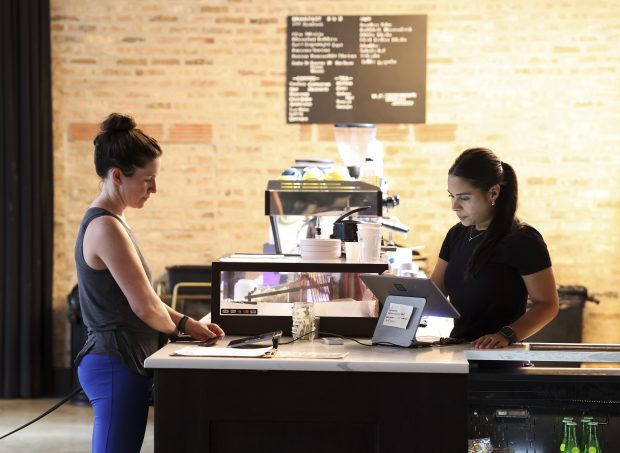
column 182, row 322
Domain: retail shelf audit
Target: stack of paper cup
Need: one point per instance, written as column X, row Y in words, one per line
column 369, row 237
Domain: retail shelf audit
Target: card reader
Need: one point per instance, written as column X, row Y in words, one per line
column 256, row 340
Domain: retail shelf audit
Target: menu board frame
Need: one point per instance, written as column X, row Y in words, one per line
column 356, row 69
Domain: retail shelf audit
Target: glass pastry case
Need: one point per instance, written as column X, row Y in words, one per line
column 255, row 293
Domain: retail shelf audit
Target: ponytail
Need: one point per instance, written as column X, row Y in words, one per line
column 483, row 169
column 503, row 222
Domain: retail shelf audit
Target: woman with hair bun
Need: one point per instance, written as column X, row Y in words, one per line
column 490, row 262
column 125, row 319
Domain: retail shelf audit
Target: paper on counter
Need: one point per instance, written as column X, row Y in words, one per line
column 202, row 351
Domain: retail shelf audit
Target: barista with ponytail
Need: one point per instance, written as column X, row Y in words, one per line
column 490, row 261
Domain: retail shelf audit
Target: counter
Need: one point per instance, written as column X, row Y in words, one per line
column 378, row 399
column 379, row 359
column 370, row 401
column 376, row 359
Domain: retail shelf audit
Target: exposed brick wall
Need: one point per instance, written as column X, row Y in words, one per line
column 535, row 81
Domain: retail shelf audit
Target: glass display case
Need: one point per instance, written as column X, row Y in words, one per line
column 255, row 293
column 523, row 410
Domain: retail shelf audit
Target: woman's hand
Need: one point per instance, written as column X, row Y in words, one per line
column 490, row 341
column 203, row 331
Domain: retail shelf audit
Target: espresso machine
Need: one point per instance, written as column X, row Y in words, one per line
column 305, row 208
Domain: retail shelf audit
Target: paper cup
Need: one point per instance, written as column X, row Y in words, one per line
column 352, row 251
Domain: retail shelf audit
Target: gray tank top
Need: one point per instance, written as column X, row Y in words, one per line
column 112, row 327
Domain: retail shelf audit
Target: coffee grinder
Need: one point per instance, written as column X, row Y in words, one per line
column 352, row 140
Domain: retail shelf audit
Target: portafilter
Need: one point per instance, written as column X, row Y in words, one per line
column 346, row 230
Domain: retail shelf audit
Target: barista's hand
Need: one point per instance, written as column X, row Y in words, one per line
column 202, row 331
column 490, row 341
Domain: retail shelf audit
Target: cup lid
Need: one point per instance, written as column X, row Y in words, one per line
column 368, row 226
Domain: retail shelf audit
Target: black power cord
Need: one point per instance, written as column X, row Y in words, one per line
column 443, row 341
column 50, row 410
column 381, row 343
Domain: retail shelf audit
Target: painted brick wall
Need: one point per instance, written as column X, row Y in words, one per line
column 535, row 81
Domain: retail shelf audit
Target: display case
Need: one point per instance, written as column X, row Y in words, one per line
column 521, row 410
column 255, row 293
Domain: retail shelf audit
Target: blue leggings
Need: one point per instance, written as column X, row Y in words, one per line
column 119, row 397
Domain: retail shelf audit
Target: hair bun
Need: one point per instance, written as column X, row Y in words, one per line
column 118, row 123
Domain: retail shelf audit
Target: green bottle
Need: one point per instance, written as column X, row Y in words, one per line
column 565, row 420
column 571, row 445
column 583, row 431
column 592, row 444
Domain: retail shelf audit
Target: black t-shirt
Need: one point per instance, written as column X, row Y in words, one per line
column 495, row 296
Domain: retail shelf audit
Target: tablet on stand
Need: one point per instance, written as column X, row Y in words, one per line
column 399, row 321
column 405, row 300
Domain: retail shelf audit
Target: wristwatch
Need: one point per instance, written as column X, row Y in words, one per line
column 508, row 334
column 182, row 322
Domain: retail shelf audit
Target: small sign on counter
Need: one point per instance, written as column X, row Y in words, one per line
column 398, row 315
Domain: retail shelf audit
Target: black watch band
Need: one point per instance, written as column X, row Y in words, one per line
column 182, row 322
column 509, row 334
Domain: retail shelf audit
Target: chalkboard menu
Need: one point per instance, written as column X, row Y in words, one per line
column 356, row 69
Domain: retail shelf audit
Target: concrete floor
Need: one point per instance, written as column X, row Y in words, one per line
column 67, row 429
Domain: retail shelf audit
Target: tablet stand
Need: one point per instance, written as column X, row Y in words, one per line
column 395, row 309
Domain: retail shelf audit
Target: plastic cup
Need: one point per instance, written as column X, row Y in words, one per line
column 304, row 321
column 370, row 244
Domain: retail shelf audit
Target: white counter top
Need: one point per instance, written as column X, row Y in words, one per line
column 360, row 359
column 522, row 352
column 447, row 359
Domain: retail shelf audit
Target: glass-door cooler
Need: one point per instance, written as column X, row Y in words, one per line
column 529, row 410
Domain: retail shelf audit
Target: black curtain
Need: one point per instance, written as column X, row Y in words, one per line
column 26, row 199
